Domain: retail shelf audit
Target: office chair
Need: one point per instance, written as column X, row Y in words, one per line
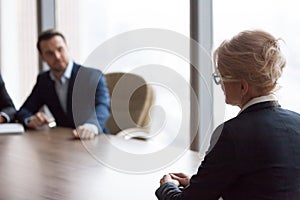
column 131, row 101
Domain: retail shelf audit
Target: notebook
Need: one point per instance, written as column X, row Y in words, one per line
column 8, row 128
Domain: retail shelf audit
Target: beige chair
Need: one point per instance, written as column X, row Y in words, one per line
column 131, row 100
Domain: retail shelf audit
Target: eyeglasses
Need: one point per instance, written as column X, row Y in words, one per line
column 219, row 79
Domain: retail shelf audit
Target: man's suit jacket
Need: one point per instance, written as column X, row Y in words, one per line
column 6, row 104
column 88, row 99
column 257, row 156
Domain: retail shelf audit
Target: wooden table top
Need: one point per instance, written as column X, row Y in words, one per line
column 50, row 164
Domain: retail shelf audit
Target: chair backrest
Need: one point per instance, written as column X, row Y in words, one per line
column 131, row 100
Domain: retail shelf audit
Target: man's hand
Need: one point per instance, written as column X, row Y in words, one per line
column 85, row 131
column 38, row 120
column 2, row 119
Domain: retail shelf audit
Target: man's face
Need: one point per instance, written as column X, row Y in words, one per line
column 55, row 53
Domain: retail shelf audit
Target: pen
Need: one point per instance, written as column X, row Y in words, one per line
column 52, row 124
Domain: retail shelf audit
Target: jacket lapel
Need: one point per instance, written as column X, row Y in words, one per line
column 71, row 86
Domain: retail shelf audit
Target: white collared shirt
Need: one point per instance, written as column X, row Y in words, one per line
column 270, row 97
column 62, row 84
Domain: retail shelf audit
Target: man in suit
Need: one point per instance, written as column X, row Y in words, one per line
column 7, row 108
column 77, row 96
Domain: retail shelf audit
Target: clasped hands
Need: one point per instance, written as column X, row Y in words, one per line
column 85, row 131
column 179, row 179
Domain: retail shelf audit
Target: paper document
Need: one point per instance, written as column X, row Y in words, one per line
column 11, row 128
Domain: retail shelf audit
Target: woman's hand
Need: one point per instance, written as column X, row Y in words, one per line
column 168, row 179
column 183, row 179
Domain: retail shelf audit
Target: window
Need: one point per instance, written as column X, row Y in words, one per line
column 87, row 24
column 19, row 58
column 280, row 18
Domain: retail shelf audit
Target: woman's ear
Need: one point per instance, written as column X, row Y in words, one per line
column 244, row 87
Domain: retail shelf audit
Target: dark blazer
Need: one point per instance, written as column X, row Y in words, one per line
column 257, row 156
column 88, row 99
column 6, row 104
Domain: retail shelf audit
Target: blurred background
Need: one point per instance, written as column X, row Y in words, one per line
column 89, row 23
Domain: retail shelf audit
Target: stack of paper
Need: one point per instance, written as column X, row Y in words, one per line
column 11, row 128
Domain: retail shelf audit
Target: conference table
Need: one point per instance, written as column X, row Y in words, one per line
column 51, row 164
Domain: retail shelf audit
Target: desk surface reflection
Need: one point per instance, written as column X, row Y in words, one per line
column 51, row 164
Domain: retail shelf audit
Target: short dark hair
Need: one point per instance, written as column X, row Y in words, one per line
column 48, row 34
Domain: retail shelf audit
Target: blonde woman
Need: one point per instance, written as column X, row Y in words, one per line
column 257, row 154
